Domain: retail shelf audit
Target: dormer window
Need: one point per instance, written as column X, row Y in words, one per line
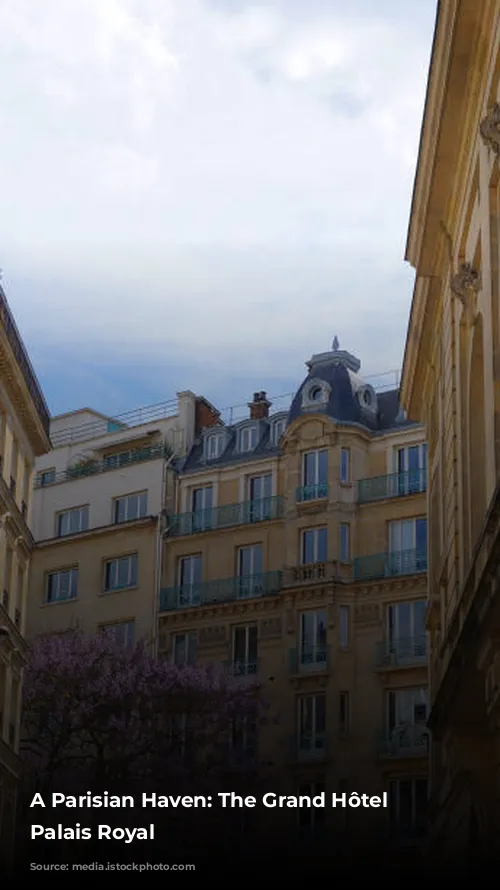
column 248, row 438
column 279, row 427
column 214, row 446
column 315, row 395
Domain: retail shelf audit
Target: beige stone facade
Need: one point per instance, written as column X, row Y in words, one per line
column 451, row 383
column 99, row 500
column 298, row 554
column 24, row 435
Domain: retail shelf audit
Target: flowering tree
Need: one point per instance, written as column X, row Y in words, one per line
column 97, row 714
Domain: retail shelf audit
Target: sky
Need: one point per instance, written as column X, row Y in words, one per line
column 200, row 194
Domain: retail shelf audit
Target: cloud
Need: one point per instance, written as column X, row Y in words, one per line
column 223, row 183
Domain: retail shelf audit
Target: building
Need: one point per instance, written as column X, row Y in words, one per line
column 451, row 383
column 24, row 435
column 97, row 517
column 296, row 551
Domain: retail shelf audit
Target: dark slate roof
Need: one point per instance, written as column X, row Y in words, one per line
column 340, row 371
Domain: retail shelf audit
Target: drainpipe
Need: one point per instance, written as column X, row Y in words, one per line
column 160, row 533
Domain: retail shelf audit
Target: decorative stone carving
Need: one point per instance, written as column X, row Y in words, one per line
column 366, row 614
column 465, row 285
column 212, row 636
column 490, row 129
column 270, row 628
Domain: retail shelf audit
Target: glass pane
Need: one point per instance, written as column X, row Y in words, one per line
column 321, row 545
column 421, row 535
column 403, row 619
column 407, row 534
column 320, row 628
column 310, row 468
column 320, row 715
column 401, row 462
column 414, row 457
column 133, row 571
column 240, row 644
column 245, row 566
column 308, row 547
column 308, row 625
column 322, row 467
column 252, row 644
column 257, row 560
column 85, row 518
column 419, row 618
column 395, row 537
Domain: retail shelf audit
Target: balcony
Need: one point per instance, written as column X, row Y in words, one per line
column 305, row 493
column 390, row 565
column 307, row 748
column 408, row 652
column 217, row 518
column 23, row 362
column 404, row 741
column 242, row 668
column 311, row 573
column 222, row 590
column 94, row 467
column 309, row 660
column 394, row 485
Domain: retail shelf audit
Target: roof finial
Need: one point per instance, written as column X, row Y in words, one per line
column 335, row 344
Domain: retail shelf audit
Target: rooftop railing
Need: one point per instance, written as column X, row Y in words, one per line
column 105, row 425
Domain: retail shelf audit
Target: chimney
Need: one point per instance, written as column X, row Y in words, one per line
column 205, row 415
column 259, row 408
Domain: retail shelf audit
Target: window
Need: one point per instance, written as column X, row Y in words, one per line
column 202, row 503
column 248, row 438
column 245, row 650
column 345, row 542
column 185, row 648
column 250, row 570
column 70, row 522
column 244, row 738
column 190, row 580
column 47, row 477
column 313, row 638
column 314, row 545
column 62, row 585
column 311, row 819
column 411, row 467
column 345, row 465
column 131, row 506
column 408, row 546
column 260, row 489
column 314, row 475
column 214, row 446
column 407, row 707
column 344, row 714
column 279, row 427
column 122, row 632
column 14, row 460
column 120, row 573
column 119, row 459
column 312, row 724
column 344, row 627
column 408, row 807
column 406, row 633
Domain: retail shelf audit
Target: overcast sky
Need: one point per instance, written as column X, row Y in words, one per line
column 202, row 193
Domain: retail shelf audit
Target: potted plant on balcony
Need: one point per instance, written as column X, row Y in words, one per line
column 85, row 466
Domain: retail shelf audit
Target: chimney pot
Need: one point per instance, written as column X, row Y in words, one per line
column 259, row 408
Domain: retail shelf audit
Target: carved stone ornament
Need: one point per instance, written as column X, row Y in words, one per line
column 490, row 129
column 465, row 285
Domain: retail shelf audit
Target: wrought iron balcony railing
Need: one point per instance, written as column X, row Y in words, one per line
column 222, row 590
column 305, row 747
column 240, row 668
column 405, row 652
column 393, row 485
column 309, row 659
column 410, row 740
column 24, row 364
column 311, row 492
column 388, row 565
column 227, row 516
column 94, row 467
column 310, row 573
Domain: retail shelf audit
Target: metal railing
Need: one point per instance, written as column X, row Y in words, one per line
column 405, row 652
column 311, row 573
column 393, row 485
column 308, row 746
column 240, row 668
column 405, row 741
column 94, row 467
column 103, row 426
column 388, row 565
column 221, row 590
column 309, row 659
column 227, row 516
column 23, row 361
column 311, row 492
